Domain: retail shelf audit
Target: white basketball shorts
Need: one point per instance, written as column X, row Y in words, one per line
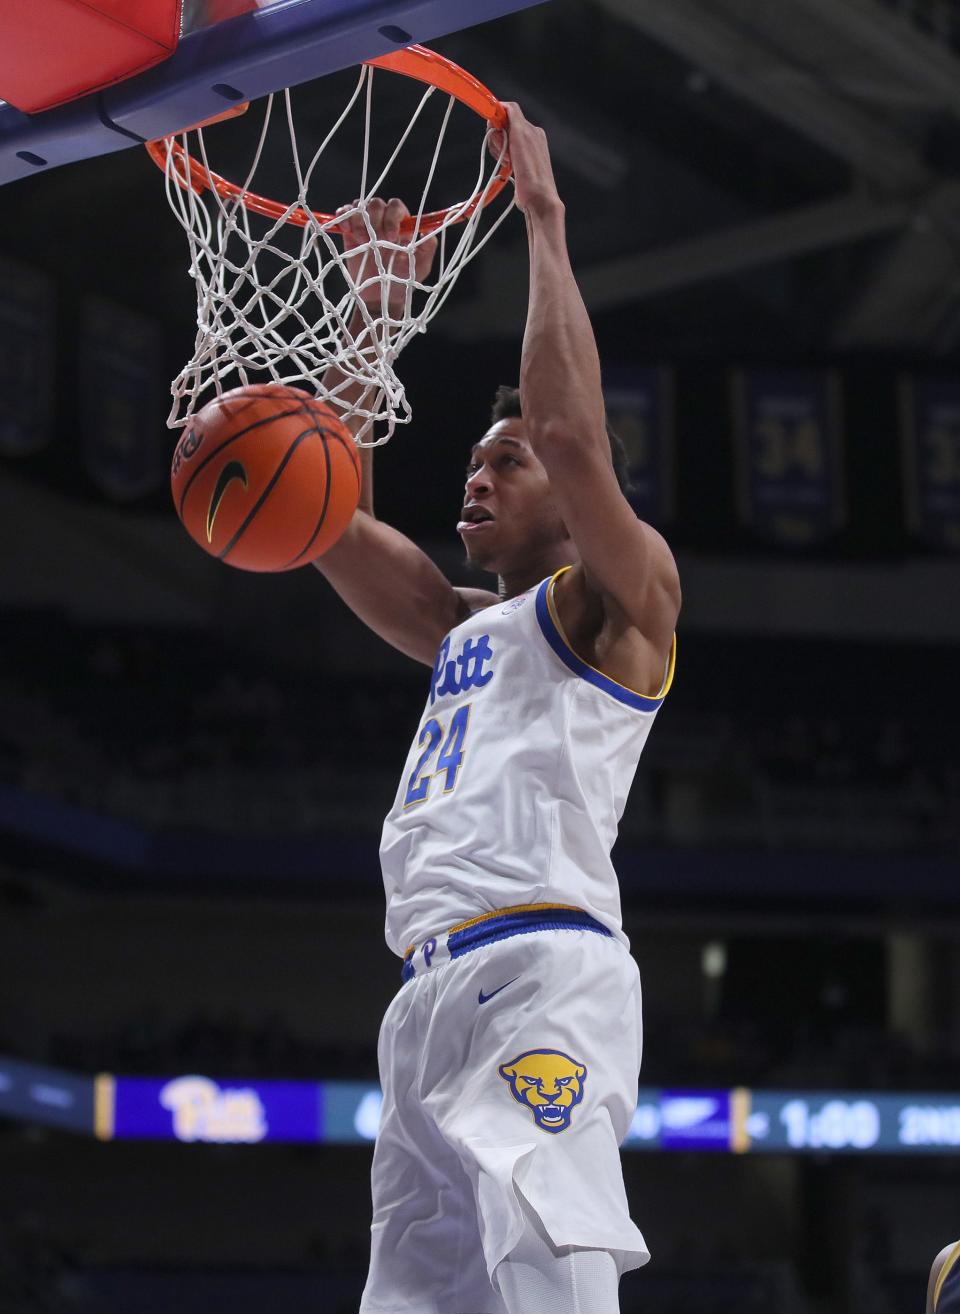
column 509, row 1062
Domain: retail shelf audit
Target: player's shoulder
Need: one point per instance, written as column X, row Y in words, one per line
column 657, row 596
column 946, row 1263
column 642, row 590
column 663, row 562
column 470, row 601
column 647, row 600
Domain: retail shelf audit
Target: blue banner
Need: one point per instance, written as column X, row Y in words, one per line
column 639, row 401
column 27, row 379
column 789, row 453
column 223, row 1112
column 122, row 402
column 930, row 441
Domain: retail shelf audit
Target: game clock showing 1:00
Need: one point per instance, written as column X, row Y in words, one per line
column 833, row 1125
column 854, row 1122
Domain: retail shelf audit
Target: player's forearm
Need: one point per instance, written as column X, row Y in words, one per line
column 560, row 386
column 344, row 395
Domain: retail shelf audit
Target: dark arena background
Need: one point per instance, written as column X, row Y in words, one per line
column 763, row 205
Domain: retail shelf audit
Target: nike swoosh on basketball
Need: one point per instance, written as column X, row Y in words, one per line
column 232, row 470
column 482, row 998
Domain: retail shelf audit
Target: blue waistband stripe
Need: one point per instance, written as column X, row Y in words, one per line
column 500, row 928
column 491, row 929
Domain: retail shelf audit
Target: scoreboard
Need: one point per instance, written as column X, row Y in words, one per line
column 737, row 1121
column 198, row 1109
column 777, row 1121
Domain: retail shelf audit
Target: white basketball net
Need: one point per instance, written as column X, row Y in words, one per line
column 303, row 315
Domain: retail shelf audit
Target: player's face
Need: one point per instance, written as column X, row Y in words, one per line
column 508, row 515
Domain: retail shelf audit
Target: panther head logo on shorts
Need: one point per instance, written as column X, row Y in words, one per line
column 549, row 1083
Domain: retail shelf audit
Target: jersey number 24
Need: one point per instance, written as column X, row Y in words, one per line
column 448, row 751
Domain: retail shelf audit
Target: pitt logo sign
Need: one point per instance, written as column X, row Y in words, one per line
column 463, row 672
column 204, row 1112
column 549, row 1083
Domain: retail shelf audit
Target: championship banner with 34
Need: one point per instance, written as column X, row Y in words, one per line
column 639, row 403
column 930, row 440
column 122, row 400
column 26, row 359
column 789, row 453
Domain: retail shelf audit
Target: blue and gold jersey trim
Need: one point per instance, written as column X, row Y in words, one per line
column 554, row 635
column 946, row 1293
column 523, row 919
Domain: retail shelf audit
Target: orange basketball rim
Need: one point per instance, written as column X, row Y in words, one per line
column 414, row 62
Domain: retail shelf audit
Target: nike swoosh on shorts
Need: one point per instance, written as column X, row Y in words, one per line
column 482, row 998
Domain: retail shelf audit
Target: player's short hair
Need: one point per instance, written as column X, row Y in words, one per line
column 506, row 406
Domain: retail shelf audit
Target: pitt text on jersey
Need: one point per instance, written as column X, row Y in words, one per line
column 442, row 742
column 463, row 672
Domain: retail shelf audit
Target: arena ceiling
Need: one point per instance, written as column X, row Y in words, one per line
column 739, row 177
column 794, row 166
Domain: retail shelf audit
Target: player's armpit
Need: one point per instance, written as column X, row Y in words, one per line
column 474, row 600
column 393, row 587
column 597, row 630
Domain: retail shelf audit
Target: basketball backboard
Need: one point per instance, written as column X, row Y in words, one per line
column 229, row 51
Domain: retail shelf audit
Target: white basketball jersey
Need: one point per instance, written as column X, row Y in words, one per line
column 517, row 778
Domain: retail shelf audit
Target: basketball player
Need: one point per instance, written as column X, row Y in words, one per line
column 509, row 1057
column 943, row 1289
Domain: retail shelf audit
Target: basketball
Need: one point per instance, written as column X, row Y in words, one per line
column 266, row 478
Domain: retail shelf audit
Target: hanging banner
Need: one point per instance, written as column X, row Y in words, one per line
column 122, row 400
column 639, row 401
column 789, row 453
column 930, row 443
column 27, row 380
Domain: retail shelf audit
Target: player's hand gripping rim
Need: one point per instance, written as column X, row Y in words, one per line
column 529, row 156
column 403, row 259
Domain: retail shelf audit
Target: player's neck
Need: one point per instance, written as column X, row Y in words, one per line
column 511, row 583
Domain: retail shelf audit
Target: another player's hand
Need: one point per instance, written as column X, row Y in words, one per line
column 530, row 157
column 410, row 262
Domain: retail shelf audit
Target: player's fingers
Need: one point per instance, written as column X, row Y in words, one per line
column 344, row 226
column 518, row 125
column 427, row 251
column 496, row 142
column 393, row 215
column 375, row 208
column 426, row 247
column 355, row 224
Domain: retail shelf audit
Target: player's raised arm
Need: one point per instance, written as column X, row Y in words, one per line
column 624, row 561
column 382, row 576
